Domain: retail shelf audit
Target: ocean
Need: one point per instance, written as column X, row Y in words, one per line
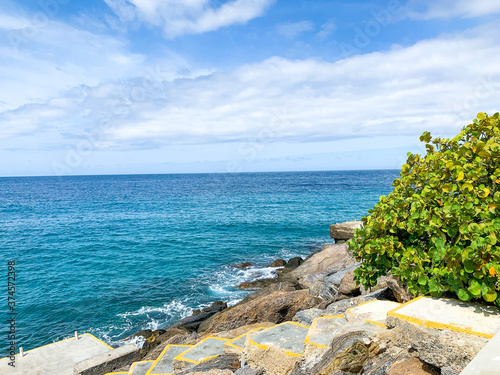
column 111, row 255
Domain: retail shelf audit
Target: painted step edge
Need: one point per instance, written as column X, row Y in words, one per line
column 180, row 356
column 131, row 370
column 231, row 342
column 313, row 325
column 161, row 356
column 267, row 347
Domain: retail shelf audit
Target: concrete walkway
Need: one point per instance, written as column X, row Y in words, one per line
column 443, row 313
column 140, row 368
column 323, row 329
column 57, row 358
column 287, row 336
column 487, row 362
column 208, row 348
column 164, row 364
column 372, row 311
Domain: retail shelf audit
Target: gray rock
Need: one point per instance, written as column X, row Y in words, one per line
column 294, row 262
column 306, row 317
column 448, row 350
column 327, row 285
column 257, row 284
column 340, row 307
column 278, row 263
column 222, row 362
column 247, row 370
column 344, row 231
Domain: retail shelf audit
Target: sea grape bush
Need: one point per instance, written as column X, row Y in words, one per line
column 439, row 229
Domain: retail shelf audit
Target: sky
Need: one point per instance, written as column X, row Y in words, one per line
column 214, row 86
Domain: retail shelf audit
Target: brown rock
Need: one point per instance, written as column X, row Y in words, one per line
column 276, row 307
column 331, row 258
column 257, row 284
column 411, row 366
column 160, row 336
column 278, row 263
column 218, row 365
column 348, row 284
column 344, row 231
column 398, row 289
column 242, row 265
column 284, row 286
column 294, row 262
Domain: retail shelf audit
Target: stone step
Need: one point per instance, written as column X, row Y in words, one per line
column 323, row 329
column 276, row 350
column 164, row 364
column 206, row 349
column 487, row 361
column 374, row 312
column 56, row 358
column 236, row 345
column 140, row 368
column 444, row 313
column 117, row 373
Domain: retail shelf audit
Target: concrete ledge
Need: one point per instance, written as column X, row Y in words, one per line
column 487, row 362
column 108, row 362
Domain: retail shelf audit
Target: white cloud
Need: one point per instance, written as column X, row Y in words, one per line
column 432, row 85
column 294, row 29
column 178, row 17
column 327, row 29
column 428, row 9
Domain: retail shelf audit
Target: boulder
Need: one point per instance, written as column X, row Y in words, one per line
column 247, row 370
column 331, row 259
column 284, row 286
column 447, row 350
column 278, row 263
column 242, row 265
column 344, row 231
column 398, row 289
column 257, row 284
column 338, row 307
column 294, row 262
column 327, row 285
column 348, row 284
column 224, row 362
column 276, row 307
column 160, row 336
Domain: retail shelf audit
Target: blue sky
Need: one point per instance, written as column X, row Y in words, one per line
column 173, row 86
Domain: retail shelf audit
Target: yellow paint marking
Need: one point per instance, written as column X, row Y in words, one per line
column 181, row 358
column 376, row 323
column 313, row 325
column 431, row 324
column 160, row 357
column 69, row 338
column 133, row 366
column 267, row 347
column 230, row 342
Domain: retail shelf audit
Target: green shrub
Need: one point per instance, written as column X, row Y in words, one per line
column 439, row 230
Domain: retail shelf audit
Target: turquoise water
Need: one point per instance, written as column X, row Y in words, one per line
column 111, row 255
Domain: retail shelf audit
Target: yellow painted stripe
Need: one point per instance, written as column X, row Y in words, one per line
column 149, row 372
column 230, row 342
column 313, row 325
column 57, row 342
column 133, row 366
column 181, row 358
column 434, row 325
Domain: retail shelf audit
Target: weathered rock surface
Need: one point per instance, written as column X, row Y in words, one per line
column 448, row 350
column 294, row 262
column 257, row 284
column 247, row 370
column 276, row 307
column 242, row 265
column 332, row 258
column 278, row 263
column 327, row 285
column 230, row 362
column 339, row 307
column 284, row 286
column 160, row 336
column 344, row 231
column 348, row 284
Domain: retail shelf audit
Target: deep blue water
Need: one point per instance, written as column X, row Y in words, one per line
column 111, row 255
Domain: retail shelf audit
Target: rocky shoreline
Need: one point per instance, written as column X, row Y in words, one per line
column 322, row 285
